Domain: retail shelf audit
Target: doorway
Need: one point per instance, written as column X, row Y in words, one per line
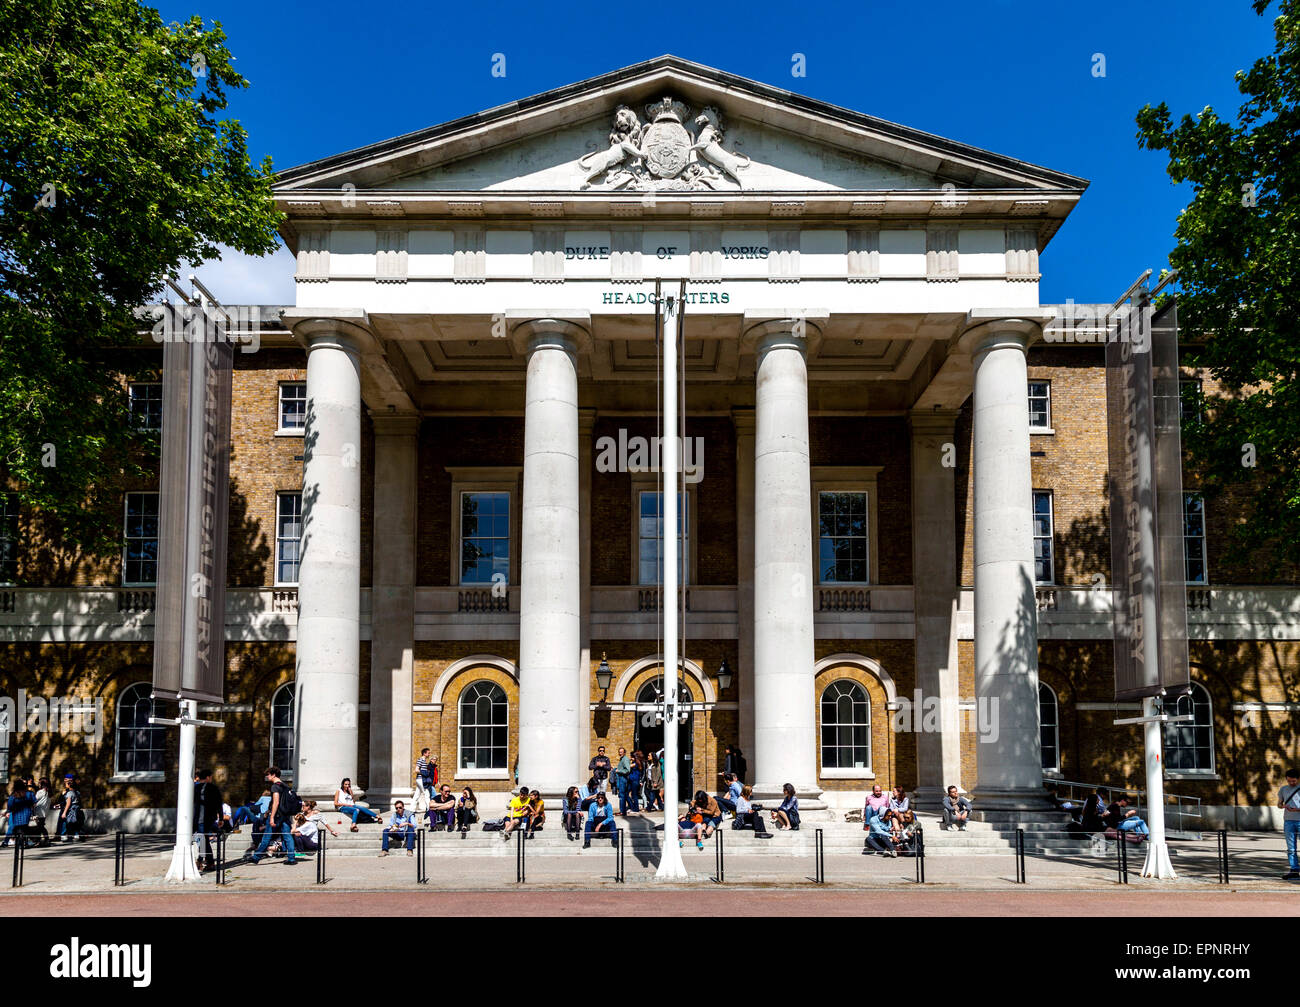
column 649, row 736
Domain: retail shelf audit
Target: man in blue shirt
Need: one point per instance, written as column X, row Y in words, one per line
column 734, row 787
column 401, row 822
column 600, row 819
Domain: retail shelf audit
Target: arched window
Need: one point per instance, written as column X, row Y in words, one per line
column 1189, row 745
column 1049, row 733
column 484, row 727
column 141, row 746
column 284, row 750
column 846, row 727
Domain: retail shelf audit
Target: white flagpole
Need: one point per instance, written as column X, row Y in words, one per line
column 671, row 866
column 183, row 867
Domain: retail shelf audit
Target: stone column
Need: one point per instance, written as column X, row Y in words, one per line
column 551, row 708
column 743, row 421
column 1009, row 775
column 586, row 467
column 784, row 722
column 329, row 577
column 392, row 606
column 934, row 580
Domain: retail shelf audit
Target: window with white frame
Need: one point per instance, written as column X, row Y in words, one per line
column 141, row 746
column 846, row 727
column 1049, row 728
column 146, row 405
column 842, row 537
column 1040, row 405
column 649, row 536
column 1044, row 561
column 8, row 538
column 1189, row 746
column 284, row 750
column 484, row 728
column 1194, row 538
column 293, row 407
column 484, row 537
column 140, row 559
column 288, row 537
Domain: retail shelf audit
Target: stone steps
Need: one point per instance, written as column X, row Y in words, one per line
column 641, row 837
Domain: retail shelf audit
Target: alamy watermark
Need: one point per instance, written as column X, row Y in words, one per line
column 935, row 714
column 240, row 324
column 642, row 454
column 55, row 715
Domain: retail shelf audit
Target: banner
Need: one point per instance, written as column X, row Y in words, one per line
column 193, row 503
column 1146, row 507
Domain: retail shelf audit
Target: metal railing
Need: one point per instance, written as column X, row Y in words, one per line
column 1181, row 810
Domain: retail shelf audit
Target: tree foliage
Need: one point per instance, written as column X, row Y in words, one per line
column 115, row 169
column 1238, row 257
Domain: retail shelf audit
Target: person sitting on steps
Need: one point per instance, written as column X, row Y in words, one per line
column 601, row 820
column 956, row 811
column 787, row 815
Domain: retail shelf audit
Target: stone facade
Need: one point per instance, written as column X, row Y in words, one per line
column 836, row 343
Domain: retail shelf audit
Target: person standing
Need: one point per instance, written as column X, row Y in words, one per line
column 41, row 812
column 424, row 770
column 600, row 766
column 284, row 805
column 1288, row 798
column 69, row 810
column 207, row 814
column 622, row 770
column 654, row 783
column 20, row 806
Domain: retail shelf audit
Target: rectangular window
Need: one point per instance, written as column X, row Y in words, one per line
column 842, row 537
column 146, row 405
column 1040, row 405
column 288, row 537
column 140, row 566
column 484, row 538
column 293, row 406
column 1189, row 400
column 1044, row 567
column 649, row 535
column 1194, row 538
column 8, row 538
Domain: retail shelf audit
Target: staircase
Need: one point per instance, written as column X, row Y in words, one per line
column 643, row 839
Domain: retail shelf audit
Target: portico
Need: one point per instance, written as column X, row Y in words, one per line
column 851, row 286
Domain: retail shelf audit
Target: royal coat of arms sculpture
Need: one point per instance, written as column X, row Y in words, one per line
column 662, row 154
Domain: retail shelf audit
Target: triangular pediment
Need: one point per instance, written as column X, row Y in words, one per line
column 682, row 126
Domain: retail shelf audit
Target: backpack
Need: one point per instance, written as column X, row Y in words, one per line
column 290, row 802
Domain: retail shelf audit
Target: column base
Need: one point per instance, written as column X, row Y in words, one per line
column 930, row 798
column 1015, row 804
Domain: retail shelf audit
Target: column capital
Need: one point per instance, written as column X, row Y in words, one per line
column 762, row 334
column 586, row 420
column 529, row 333
column 394, row 424
column 932, row 422
column 987, row 327
column 744, row 420
column 341, row 328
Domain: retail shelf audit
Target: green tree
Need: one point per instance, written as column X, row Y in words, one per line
column 114, row 170
column 1238, row 258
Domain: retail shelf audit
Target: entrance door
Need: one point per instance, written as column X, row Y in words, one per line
column 650, row 736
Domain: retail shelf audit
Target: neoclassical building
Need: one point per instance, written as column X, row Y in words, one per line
column 446, row 499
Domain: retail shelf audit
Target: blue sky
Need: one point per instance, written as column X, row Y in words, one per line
column 1011, row 76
